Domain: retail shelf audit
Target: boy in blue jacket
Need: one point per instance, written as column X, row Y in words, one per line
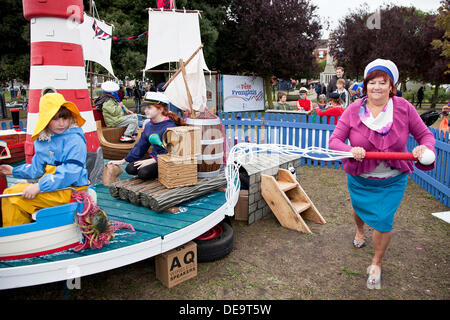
column 59, row 162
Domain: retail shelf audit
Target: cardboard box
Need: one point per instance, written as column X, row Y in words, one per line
column 177, row 265
column 241, row 208
column 183, row 141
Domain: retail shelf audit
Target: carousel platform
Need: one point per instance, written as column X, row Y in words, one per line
column 155, row 233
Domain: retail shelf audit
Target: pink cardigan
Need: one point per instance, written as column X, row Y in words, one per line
column 406, row 121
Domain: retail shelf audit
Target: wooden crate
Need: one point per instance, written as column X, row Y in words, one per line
column 184, row 141
column 177, row 171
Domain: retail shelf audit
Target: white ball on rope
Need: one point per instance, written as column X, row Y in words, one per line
column 428, row 157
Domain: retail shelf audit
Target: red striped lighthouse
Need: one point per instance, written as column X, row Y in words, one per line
column 56, row 62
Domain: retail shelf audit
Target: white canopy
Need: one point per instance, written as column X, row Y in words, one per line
column 171, row 36
column 96, row 42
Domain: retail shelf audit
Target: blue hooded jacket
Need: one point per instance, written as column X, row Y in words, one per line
column 67, row 151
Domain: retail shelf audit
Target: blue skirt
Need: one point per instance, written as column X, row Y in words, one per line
column 376, row 201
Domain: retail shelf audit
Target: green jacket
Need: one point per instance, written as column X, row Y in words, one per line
column 113, row 113
column 282, row 106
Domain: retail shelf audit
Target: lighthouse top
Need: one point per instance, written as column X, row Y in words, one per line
column 63, row 9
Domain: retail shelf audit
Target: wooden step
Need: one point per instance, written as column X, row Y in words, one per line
column 288, row 201
column 286, row 185
column 300, row 206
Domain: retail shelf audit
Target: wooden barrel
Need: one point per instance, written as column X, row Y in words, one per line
column 210, row 161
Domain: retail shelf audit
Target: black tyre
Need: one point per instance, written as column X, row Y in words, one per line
column 216, row 243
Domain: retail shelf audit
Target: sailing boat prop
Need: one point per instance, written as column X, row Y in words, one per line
column 174, row 36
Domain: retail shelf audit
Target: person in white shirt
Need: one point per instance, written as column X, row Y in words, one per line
column 343, row 93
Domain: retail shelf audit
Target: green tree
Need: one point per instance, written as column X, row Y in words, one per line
column 354, row 43
column 211, row 23
column 443, row 23
column 15, row 44
column 267, row 38
column 433, row 64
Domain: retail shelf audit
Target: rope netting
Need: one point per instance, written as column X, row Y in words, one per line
column 244, row 153
column 95, row 237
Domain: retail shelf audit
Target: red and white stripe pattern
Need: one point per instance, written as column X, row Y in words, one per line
column 56, row 60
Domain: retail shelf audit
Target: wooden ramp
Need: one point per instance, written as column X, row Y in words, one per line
column 289, row 202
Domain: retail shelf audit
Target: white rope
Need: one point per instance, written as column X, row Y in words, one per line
column 244, row 153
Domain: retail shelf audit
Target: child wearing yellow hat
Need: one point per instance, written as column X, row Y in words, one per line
column 59, row 162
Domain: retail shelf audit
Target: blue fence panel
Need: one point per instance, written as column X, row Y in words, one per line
column 436, row 181
column 5, row 125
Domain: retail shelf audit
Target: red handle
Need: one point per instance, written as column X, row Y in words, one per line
column 390, row 156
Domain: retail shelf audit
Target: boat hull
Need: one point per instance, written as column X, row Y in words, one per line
column 109, row 139
column 37, row 243
column 53, row 230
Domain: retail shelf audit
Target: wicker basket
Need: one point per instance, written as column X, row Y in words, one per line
column 177, row 171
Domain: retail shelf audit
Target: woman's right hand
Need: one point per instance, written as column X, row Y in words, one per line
column 117, row 162
column 358, row 153
column 6, row 170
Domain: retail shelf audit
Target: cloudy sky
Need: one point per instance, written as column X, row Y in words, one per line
column 334, row 10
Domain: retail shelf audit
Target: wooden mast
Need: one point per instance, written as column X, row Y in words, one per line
column 179, row 70
column 183, row 71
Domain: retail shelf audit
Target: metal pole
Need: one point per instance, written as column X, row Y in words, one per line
column 90, row 63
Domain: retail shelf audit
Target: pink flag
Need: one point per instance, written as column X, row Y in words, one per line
column 166, row 4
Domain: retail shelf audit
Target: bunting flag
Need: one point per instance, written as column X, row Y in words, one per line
column 99, row 33
column 137, row 37
column 166, row 4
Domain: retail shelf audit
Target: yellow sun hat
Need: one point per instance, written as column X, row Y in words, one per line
column 49, row 105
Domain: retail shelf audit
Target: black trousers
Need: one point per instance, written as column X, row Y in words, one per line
column 146, row 173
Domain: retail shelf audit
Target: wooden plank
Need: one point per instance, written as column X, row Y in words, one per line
column 300, row 206
column 124, row 238
column 285, row 185
column 23, row 262
column 145, row 214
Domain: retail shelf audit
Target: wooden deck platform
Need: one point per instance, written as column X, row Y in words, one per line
column 154, row 234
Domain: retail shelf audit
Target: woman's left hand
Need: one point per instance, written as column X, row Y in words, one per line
column 418, row 151
column 358, row 153
column 129, row 111
column 142, row 163
column 31, row 191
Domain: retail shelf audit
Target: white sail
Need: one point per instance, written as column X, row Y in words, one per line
column 176, row 90
column 96, row 45
column 172, row 36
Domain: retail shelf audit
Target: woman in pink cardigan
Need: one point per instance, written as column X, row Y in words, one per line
column 380, row 122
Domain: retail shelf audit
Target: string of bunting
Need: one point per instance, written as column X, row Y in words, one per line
column 100, row 34
column 139, row 37
column 162, row 4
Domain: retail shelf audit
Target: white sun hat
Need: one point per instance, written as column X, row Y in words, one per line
column 384, row 65
column 110, row 86
column 152, row 97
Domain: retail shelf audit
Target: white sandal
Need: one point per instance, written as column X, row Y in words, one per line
column 374, row 279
